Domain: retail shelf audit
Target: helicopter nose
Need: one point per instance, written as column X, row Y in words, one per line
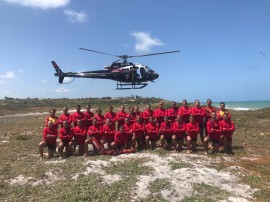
column 155, row 76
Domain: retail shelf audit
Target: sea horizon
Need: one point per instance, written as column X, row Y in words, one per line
column 245, row 105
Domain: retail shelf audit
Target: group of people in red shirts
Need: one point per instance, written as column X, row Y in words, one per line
column 142, row 130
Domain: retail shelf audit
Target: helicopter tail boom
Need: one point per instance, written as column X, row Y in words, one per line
column 59, row 72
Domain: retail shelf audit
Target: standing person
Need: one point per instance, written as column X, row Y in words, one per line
column 198, row 113
column 147, row 113
column 80, row 134
column 129, row 132
column 192, row 131
column 166, row 133
column 222, row 111
column 132, row 115
column 88, row 116
column 138, row 132
column 179, row 133
column 184, row 111
column 120, row 139
column 50, row 134
column 108, row 133
column 94, row 131
column 152, row 133
column 160, row 113
column 137, row 111
column 121, row 115
column 172, row 112
column 111, row 115
column 99, row 117
column 78, row 115
column 208, row 110
column 66, row 135
column 53, row 118
column 214, row 130
column 227, row 130
column 65, row 117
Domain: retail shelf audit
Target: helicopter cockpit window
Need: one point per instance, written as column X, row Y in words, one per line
column 143, row 72
column 149, row 70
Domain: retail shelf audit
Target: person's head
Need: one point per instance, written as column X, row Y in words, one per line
column 148, row 106
column 184, row 102
column 197, row 103
column 213, row 115
column 191, row 119
column 166, row 119
column 173, row 104
column 78, row 108
column 152, row 119
column 222, row 105
column 65, row 110
column 99, row 111
column 108, row 122
column 127, row 120
column 122, row 129
column 138, row 119
column 65, row 124
column 94, row 121
column 225, row 116
column 122, row 108
column 131, row 109
column 178, row 118
column 160, row 104
column 50, row 124
column 88, row 107
column 110, row 108
column 136, row 108
column 209, row 102
column 79, row 122
column 52, row 112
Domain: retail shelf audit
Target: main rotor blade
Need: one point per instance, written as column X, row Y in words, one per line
column 153, row 54
column 97, row 52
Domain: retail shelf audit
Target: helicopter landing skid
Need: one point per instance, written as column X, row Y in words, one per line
column 125, row 86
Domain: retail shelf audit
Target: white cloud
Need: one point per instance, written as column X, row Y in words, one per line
column 8, row 75
column 44, row 81
column 144, row 42
column 75, row 16
column 6, row 92
column 62, row 90
column 43, row 4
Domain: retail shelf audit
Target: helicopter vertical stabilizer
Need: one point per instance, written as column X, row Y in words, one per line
column 58, row 72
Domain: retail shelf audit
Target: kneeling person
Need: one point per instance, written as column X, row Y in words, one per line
column 179, row 133
column 66, row 135
column 166, row 133
column 120, row 139
column 151, row 133
column 79, row 136
column 192, row 134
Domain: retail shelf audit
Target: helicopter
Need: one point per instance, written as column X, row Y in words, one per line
column 127, row 74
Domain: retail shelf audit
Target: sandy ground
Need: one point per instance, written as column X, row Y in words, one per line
column 198, row 169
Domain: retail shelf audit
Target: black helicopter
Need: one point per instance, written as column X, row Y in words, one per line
column 125, row 73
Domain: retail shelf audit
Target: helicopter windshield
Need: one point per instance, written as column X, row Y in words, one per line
column 149, row 70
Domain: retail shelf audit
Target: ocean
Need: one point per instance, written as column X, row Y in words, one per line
column 245, row 105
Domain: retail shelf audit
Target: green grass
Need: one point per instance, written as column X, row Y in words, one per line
column 158, row 185
column 178, row 165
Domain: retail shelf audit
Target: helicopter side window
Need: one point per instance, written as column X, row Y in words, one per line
column 143, row 72
column 149, row 70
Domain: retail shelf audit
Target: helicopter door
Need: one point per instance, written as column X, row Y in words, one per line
column 143, row 73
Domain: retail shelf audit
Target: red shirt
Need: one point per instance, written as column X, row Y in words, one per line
column 146, row 115
column 88, row 116
column 208, row 111
column 152, row 130
column 95, row 131
column 112, row 116
column 192, row 129
column 65, row 117
column 179, row 129
column 128, row 131
column 227, row 127
column 77, row 116
column 159, row 114
column 132, row 117
column 217, row 129
column 120, row 138
column 184, row 112
column 172, row 113
column 166, row 129
column 80, row 134
column 198, row 113
column 109, row 132
column 100, row 119
column 121, row 118
column 53, row 132
column 66, row 134
column 138, row 129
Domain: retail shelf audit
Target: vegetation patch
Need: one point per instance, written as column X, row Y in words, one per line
column 22, row 137
column 178, row 165
column 159, row 184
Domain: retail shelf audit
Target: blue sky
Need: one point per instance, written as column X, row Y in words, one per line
column 225, row 47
